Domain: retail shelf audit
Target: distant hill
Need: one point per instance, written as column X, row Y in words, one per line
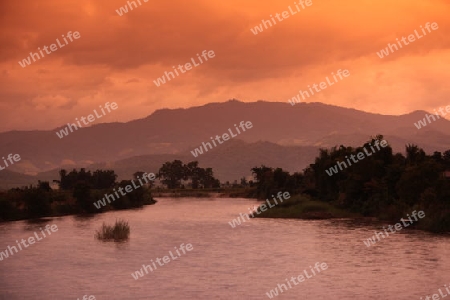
column 9, row 179
column 230, row 162
column 174, row 132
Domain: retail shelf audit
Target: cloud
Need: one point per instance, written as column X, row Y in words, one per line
column 118, row 57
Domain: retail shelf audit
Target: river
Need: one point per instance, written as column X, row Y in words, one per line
column 245, row 262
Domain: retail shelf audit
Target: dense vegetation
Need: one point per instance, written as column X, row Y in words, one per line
column 119, row 232
column 384, row 185
column 172, row 173
column 77, row 192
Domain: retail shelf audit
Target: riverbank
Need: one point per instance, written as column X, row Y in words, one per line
column 37, row 204
column 204, row 223
column 29, row 204
column 205, row 193
column 303, row 207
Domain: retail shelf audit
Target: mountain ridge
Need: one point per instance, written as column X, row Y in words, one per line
column 178, row 131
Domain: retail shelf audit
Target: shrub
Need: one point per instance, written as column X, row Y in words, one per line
column 315, row 207
column 8, row 211
column 37, row 203
column 120, row 231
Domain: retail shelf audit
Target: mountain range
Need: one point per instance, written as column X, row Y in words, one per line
column 282, row 136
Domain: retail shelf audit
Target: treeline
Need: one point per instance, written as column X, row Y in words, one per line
column 100, row 179
column 173, row 173
column 79, row 189
column 77, row 192
column 270, row 181
column 384, row 185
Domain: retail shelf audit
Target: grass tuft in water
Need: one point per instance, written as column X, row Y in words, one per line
column 120, row 231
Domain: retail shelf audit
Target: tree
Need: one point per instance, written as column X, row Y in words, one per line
column 103, row 179
column 44, row 185
column 84, row 199
column 446, row 158
column 194, row 173
column 100, row 179
column 171, row 174
column 207, row 179
column 37, row 202
column 414, row 154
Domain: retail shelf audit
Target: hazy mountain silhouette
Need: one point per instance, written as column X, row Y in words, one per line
column 171, row 133
column 231, row 161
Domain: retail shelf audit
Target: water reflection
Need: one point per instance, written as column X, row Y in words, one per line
column 226, row 263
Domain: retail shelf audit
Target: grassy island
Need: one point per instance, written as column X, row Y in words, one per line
column 303, row 207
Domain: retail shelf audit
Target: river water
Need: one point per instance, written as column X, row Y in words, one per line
column 244, row 262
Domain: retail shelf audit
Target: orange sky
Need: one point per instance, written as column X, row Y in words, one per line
column 118, row 57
